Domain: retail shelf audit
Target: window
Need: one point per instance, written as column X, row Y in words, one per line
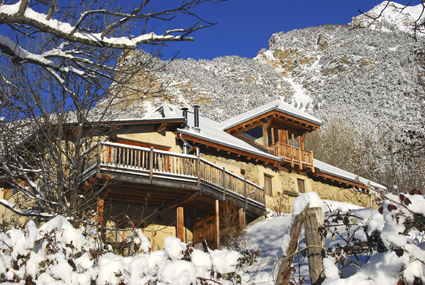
column 254, row 134
column 268, row 184
column 294, row 140
column 273, row 135
column 301, row 188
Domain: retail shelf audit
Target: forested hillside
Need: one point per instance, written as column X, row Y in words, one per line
column 370, row 78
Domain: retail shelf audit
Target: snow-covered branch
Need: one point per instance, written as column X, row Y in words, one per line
column 21, row 14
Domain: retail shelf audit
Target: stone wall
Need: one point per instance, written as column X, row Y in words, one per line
column 285, row 186
column 329, row 192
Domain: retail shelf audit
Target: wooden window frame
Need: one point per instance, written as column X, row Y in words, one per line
column 302, row 183
column 270, row 179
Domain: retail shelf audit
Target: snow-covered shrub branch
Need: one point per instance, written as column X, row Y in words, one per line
column 385, row 245
column 58, row 252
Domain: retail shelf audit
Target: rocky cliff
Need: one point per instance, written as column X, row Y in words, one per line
column 367, row 76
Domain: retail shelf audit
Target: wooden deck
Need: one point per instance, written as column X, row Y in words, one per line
column 293, row 155
column 167, row 178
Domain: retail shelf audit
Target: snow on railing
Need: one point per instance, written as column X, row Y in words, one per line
column 153, row 161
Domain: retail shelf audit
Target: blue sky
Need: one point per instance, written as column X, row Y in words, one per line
column 245, row 26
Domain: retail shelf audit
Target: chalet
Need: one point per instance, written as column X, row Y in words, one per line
column 171, row 171
column 174, row 169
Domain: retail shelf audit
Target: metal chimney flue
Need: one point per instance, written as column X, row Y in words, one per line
column 196, row 117
column 185, row 116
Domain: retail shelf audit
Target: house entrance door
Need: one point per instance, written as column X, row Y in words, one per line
column 205, row 231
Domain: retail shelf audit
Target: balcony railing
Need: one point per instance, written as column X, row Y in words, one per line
column 151, row 163
column 293, row 155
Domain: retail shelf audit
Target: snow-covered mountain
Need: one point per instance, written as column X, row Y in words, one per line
column 367, row 76
column 391, row 16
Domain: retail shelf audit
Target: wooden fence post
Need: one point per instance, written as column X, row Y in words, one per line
column 314, row 220
column 285, row 272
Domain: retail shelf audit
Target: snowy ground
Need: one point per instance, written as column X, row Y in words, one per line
column 57, row 253
column 267, row 236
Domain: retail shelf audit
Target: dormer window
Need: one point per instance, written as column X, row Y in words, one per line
column 279, row 129
column 255, row 135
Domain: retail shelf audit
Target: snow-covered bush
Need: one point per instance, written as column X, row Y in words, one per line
column 382, row 246
column 56, row 252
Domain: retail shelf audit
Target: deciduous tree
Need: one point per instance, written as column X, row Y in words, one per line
column 59, row 59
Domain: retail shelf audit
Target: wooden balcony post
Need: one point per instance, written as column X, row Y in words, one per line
column 224, row 183
column 312, row 161
column 217, row 224
column 291, row 149
column 151, row 165
column 300, row 158
column 198, row 167
column 99, row 149
column 264, row 201
column 245, row 191
column 180, row 223
column 110, row 154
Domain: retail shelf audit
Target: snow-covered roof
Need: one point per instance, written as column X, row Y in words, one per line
column 165, row 111
column 338, row 172
column 210, row 131
column 214, row 132
column 276, row 105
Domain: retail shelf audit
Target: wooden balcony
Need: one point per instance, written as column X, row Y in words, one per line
column 293, row 155
column 169, row 173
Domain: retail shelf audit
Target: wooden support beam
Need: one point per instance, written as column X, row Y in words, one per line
column 242, row 222
column 186, row 199
column 265, row 136
column 268, row 124
column 100, row 210
column 180, row 223
column 217, row 224
column 161, row 127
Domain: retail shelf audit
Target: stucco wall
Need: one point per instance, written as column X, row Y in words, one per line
column 148, row 135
